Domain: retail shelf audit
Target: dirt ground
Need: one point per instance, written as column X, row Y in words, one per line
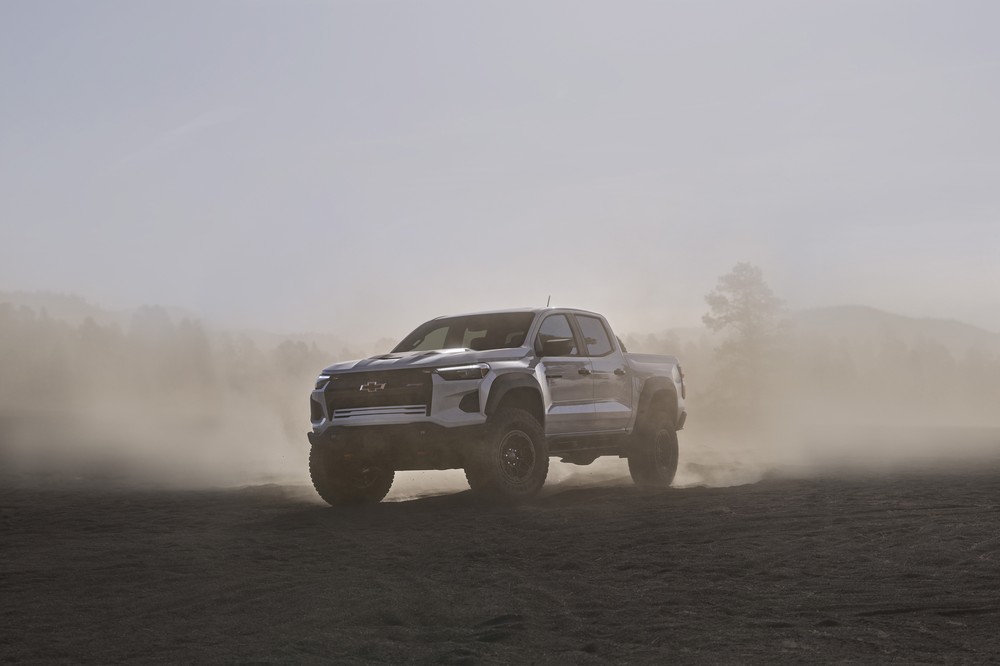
column 901, row 568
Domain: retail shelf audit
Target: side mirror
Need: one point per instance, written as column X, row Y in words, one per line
column 557, row 347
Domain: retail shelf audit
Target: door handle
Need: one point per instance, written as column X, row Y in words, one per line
column 583, row 371
column 619, row 371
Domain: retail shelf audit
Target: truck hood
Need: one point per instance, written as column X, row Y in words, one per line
column 437, row 358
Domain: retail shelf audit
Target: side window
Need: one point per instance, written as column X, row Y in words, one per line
column 556, row 326
column 595, row 336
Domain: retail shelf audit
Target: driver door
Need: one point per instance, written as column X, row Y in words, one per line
column 569, row 387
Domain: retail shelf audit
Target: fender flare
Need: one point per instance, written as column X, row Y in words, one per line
column 504, row 384
column 651, row 387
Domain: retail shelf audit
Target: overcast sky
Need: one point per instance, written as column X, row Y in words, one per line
column 357, row 167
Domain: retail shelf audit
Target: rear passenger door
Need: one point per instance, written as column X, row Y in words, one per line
column 569, row 386
column 612, row 381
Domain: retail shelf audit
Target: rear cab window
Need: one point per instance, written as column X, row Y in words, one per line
column 595, row 335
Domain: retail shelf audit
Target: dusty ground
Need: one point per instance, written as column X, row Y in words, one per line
column 903, row 568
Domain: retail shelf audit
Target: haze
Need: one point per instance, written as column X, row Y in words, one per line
column 360, row 166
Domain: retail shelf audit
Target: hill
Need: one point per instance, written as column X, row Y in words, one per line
column 870, row 325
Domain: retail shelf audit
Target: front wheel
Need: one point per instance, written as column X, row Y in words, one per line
column 341, row 482
column 512, row 461
column 652, row 460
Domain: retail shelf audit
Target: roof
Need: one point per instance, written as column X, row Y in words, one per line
column 517, row 310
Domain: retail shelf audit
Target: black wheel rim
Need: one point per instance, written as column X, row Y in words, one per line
column 517, row 456
column 664, row 453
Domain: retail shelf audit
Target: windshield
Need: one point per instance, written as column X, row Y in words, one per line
column 479, row 332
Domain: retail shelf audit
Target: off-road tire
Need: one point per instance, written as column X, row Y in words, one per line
column 653, row 452
column 341, row 482
column 512, row 460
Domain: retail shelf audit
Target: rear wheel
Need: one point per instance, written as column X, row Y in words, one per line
column 341, row 482
column 512, row 461
column 652, row 461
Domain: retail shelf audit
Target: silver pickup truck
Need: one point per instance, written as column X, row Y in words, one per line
column 496, row 394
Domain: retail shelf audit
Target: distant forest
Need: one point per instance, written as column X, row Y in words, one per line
column 825, row 379
column 157, row 392
column 170, row 368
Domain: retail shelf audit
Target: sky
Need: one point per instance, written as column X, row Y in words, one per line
column 357, row 167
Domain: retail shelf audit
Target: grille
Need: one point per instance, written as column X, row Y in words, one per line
column 404, row 391
column 400, row 410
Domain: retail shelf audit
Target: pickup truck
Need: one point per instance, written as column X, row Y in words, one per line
column 496, row 394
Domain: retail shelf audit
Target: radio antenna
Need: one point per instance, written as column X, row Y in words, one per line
column 548, row 302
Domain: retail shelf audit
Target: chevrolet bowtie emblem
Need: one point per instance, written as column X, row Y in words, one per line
column 372, row 386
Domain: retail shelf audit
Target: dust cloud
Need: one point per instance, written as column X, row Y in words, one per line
column 150, row 400
column 845, row 390
column 160, row 399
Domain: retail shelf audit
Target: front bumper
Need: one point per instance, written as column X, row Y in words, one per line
column 410, row 446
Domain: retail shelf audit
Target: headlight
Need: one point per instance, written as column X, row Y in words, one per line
column 477, row 371
column 322, row 381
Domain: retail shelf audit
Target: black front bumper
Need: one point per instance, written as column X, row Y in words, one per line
column 412, row 446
